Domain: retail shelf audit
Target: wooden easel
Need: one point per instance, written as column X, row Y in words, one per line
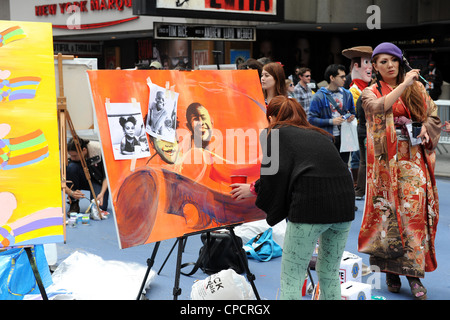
column 63, row 118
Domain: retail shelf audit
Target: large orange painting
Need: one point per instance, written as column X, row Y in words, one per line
column 202, row 127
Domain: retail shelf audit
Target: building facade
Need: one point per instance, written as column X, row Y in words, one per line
column 189, row 33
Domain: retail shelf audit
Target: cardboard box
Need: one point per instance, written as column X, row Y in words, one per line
column 353, row 290
column 351, row 268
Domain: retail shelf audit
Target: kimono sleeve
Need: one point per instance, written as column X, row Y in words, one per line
column 376, row 120
column 433, row 123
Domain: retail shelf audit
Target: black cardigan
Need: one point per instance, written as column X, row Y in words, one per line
column 312, row 183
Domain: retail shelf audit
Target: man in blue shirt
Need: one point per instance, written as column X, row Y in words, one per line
column 332, row 105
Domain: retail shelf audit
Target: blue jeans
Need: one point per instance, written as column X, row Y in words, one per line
column 75, row 174
column 354, row 161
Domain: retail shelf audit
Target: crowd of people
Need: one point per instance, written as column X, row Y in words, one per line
column 314, row 190
column 316, row 186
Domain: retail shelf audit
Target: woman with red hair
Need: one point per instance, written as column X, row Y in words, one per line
column 273, row 81
column 312, row 188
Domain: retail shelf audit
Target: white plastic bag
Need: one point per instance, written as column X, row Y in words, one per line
column 89, row 277
column 95, row 215
column 349, row 136
column 224, row 285
column 51, row 253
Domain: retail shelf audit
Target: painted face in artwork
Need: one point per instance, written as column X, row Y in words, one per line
column 201, row 123
column 167, row 150
column 363, row 72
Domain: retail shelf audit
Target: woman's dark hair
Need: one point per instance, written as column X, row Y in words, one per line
column 288, row 112
column 71, row 144
column 252, row 64
column 412, row 96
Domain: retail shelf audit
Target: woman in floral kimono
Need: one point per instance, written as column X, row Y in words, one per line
column 402, row 209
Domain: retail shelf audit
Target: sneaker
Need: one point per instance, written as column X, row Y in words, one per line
column 104, row 214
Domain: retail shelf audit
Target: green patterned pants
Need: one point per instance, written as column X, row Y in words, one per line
column 299, row 244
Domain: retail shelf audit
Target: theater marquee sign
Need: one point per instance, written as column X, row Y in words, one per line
column 203, row 32
column 237, row 6
column 256, row 10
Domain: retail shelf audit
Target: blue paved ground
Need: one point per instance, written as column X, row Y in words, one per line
column 100, row 239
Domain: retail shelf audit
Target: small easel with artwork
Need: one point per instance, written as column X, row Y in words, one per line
column 63, row 118
column 30, row 199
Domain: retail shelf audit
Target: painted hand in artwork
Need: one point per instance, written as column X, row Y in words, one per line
column 10, row 35
column 47, row 222
column 18, row 88
column 8, row 204
column 23, row 150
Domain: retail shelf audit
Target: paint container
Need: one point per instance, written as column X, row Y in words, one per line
column 72, row 222
column 238, row 179
column 73, row 219
column 85, row 219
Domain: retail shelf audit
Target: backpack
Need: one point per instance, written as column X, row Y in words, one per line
column 219, row 253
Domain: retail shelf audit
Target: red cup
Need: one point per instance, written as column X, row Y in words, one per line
column 238, row 179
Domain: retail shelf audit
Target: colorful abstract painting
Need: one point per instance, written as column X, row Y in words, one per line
column 30, row 175
column 184, row 186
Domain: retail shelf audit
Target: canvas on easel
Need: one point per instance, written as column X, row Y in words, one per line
column 30, row 180
column 184, row 186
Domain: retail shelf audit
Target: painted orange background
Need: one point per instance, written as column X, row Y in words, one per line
column 154, row 200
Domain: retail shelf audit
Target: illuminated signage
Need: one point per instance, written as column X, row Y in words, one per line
column 81, row 6
column 203, row 32
column 247, row 10
column 236, row 6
